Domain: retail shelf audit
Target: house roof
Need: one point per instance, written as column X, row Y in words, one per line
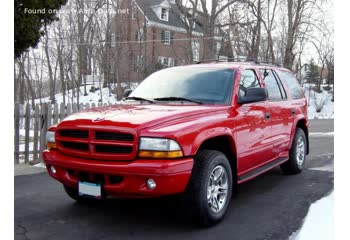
column 174, row 14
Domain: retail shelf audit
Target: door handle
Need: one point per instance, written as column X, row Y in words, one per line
column 267, row 116
column 292, row 111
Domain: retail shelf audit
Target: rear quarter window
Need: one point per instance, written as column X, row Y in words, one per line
column 291, row 83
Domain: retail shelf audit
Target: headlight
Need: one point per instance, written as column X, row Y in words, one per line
column 50, row 140
column 159, row 148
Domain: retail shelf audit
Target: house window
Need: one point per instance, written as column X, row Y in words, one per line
column 113, row 40
column 139, row 35
column 163, row 61
column 139, row 64
column 164, row 14
column 165, row 37
column 218, row 48
column 167, row 61
column 133, row 12
column 217, row 31
column 171, row 62
column 195, row 50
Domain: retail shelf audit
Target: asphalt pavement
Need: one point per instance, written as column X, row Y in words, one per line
column 271, row 206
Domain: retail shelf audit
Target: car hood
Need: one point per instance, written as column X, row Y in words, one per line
column 136, row 116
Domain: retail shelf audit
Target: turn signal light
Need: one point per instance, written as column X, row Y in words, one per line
column 51, row 145
column 158, row 154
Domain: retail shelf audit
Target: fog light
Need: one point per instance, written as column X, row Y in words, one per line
column 53, row 170
column 151, row 184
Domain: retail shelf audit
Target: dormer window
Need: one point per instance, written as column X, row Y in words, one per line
column 164, row 14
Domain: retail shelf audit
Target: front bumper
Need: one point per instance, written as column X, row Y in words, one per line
column 125, row 179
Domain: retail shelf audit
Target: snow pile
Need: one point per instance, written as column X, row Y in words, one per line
column 318, row 223
column 320, row 104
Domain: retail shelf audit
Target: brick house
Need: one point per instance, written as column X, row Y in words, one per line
column 152, row 36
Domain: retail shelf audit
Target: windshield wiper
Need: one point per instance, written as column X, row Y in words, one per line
column 139, row 99
column 177, row 99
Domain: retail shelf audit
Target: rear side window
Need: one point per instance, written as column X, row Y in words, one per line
column 248, row 80
column 273, row 85
column 292, row 84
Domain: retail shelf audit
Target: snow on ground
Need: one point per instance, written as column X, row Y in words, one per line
column 40, row 165
column 318, row 223
column 107, row 97
column 320, row 105
column 22, row 133
column 104, row 95
column 321, row 134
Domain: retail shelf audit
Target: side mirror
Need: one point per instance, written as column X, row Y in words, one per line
column 126, row 93
column 253, row 95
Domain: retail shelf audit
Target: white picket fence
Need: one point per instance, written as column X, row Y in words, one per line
column 31, row 124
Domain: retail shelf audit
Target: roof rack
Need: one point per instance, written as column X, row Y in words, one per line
column 252, row 60
column 218, row 60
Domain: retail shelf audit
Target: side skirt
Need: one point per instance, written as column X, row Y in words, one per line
column 260, row 170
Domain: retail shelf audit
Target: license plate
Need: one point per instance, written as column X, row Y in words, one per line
column 89, row 189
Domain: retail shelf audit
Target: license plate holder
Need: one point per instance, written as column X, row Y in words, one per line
column 90, row 190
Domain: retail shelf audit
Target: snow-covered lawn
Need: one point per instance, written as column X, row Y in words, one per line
column 320, row 105
column 107, row 97
column 318, row 223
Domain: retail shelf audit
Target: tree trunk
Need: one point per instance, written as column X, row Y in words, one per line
column 51, row 80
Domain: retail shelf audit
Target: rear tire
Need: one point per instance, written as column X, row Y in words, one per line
column 297, row 154
column 209, row 191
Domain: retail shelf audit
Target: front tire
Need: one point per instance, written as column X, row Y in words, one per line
column 297, row 154
column 210, row 188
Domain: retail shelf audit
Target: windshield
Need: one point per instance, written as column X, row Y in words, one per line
column 208, row 86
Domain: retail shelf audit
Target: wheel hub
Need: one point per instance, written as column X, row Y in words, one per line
column 300, row 150
column 217, row 189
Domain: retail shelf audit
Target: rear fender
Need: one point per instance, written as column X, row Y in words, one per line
column 303, row 124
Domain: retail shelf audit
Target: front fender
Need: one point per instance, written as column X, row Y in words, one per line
column 208, row 134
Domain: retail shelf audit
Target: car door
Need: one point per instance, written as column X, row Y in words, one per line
column 252, row 126
column 281, row 118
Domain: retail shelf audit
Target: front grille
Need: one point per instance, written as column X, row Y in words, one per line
column 114, row 136
column 74, row 133
column 96, row 144
column 113, row 149
column 76, row 146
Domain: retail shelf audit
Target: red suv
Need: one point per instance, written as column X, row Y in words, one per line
column 199, row 130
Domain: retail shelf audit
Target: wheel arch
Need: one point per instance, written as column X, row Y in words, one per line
column 303, row 124
column 226, row 145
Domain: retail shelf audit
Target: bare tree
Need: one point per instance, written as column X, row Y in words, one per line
column 209, row 20
column 52, row 84
column 297, row 12
column 269, row 24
